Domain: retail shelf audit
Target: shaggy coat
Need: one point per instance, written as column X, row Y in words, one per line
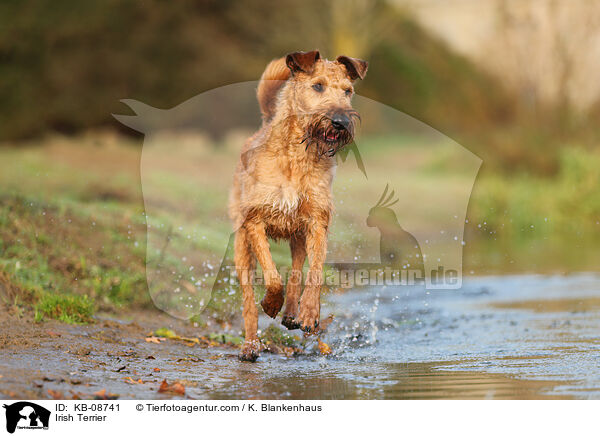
column 282, row 184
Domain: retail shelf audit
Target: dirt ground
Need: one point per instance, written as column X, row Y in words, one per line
column 56, row 360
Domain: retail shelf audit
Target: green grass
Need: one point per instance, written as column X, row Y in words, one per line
column 564, row 205
column 65, row 233
column 538, row 223
column 71, row 309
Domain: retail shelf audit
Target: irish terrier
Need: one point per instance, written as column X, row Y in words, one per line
column 282, row 184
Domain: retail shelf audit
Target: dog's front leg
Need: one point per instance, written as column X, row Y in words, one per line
column 310, row 303
column 273, row 299
column 245, row 264
column 294, row 284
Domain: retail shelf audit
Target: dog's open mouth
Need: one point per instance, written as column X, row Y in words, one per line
column 331, row 136
column 328, row 141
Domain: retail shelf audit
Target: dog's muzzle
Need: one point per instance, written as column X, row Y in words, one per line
column 331, row 132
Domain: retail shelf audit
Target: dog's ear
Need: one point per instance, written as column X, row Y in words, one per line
column 356, row 68
column 302, row 61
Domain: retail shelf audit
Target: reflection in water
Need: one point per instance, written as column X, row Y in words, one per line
column 397, row 381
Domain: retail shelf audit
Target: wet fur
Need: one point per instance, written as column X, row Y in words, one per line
column 282, row 185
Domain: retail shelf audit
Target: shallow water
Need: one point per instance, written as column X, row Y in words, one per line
column 527, row 328
column 498, row 337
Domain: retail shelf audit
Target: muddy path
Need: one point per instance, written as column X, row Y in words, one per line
column 498, row 337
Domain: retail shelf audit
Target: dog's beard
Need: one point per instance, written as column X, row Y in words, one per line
column 326, row 139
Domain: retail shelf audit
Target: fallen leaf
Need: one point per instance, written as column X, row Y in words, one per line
column 165, row 333
column 155, row 340
column 56, row 395
column 156, row 369
column 324, row 349
column 175, row 388
column 53, row 334
column 170, row 334
column 121, row 368
column 132, row 381
column 150, row 358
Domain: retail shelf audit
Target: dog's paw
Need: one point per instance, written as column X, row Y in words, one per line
column 308, row 318
column 290, row 322
column 250, row 351
column 273, row 301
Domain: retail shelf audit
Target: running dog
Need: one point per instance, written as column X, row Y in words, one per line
column 282, row 184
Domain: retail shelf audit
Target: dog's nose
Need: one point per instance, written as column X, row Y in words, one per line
column 340, row 121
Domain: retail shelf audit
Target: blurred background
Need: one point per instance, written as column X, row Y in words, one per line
column 513, row 81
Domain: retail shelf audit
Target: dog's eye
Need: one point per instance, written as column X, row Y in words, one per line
column 348, row 92
column 318, row 87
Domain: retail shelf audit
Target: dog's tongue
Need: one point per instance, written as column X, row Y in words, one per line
column 332, row 136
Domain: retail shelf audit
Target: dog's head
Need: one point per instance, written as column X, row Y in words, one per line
column 322, row 93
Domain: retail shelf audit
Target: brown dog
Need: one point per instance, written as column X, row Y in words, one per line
column 282, row 184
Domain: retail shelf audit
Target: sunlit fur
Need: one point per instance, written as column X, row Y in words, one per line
column 282, row 189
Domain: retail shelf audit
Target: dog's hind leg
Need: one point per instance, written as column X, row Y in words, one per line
column 245, row 264
column 273, row 299
column 294, row 284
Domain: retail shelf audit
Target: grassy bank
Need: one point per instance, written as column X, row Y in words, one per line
column 522, row 223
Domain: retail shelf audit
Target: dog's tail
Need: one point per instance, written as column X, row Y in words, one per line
column 270, row 83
